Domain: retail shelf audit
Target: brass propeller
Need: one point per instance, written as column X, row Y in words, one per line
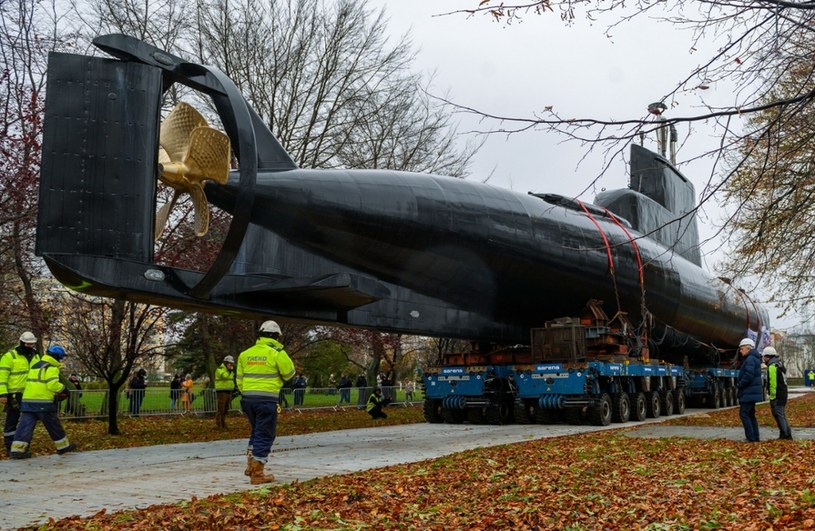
column 190, row 153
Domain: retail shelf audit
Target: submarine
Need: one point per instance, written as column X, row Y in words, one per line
column 384, row 250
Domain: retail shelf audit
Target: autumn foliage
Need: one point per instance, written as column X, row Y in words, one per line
column 606, row 480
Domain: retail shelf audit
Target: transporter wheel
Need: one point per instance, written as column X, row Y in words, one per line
column 727, row 397
column 666, row 403
column 432, row 411
column 600, row 415
column 639, row 409
column 499, row 414
column 714, row 399
column 574, row 415
column 735, row 394
column 524, row 412
column 621, row 408
column 453, row 416
column 679, row 401
column 652, row 409
column 475, row 415
column 547, row 416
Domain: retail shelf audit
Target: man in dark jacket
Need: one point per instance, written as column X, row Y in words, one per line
column 777, row 387
column 375, row 404
column 750, row 388
column 136, row 390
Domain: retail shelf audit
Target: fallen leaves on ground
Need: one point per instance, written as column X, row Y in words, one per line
column 604, row 480
column 800, row 412
column 596, row 481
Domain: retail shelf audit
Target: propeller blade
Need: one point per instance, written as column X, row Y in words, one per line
column 208, row 155
column 164, row 213
column 199, row 202
column 190, row 153
column 174, row 135
column 163, row 157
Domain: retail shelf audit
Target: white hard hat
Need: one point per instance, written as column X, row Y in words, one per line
column 769, row 352
column 747, row 342
column 229, row 359
column 270, row 327
column 28, row 337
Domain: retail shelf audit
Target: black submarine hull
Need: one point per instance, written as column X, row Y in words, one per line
column 390, row 251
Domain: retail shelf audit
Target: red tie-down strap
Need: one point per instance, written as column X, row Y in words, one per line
column 608, row 251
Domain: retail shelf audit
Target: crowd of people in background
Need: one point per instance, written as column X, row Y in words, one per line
column 24, row 357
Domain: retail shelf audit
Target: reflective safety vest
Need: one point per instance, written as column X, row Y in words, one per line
column 373, row 401
column 777, row 381
column 263, row 368
column 224, row 378
column 43, row 383
column 14, row 371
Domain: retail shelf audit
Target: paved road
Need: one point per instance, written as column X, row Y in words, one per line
column 85, row 482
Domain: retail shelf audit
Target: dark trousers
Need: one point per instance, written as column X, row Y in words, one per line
column 136, row 398
column 345, row 395
column 747, row 414
column 780, row 416
column 222, row 407
column 262, row 415
column 12, row 418
column 25, row 430
column 377, row 413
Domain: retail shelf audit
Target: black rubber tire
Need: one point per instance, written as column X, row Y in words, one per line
column 679, row 401
column 621, row 408
column 475, row 415
column 652, row 409
column 453, row 416
column 714, row 399
column 666, row 403
column 638, row 408
column 547, row 416
column 573, row 415
column 499, row 414
column 432, row 411
column 524, row 413
column 600, row 414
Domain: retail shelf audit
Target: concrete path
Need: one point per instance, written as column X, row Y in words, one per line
column 83, row 483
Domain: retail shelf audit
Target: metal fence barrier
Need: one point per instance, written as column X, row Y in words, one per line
column 93, row 403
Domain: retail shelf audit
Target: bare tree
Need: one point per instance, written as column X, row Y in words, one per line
column 760, row 176
column 798, row 352
column 25, row 39
column 108, row 338
column 330, row 85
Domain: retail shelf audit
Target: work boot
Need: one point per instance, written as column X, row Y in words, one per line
column 69, row 448
column 20, row 455
column 257, row 476
column 248, row 471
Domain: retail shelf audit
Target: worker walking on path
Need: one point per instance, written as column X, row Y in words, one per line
column 14, row 366
column 262, row 371
column 38, row 404
column 224, row 386
column 777, row 391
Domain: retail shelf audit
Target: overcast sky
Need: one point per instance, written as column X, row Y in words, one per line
column 520, row 69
